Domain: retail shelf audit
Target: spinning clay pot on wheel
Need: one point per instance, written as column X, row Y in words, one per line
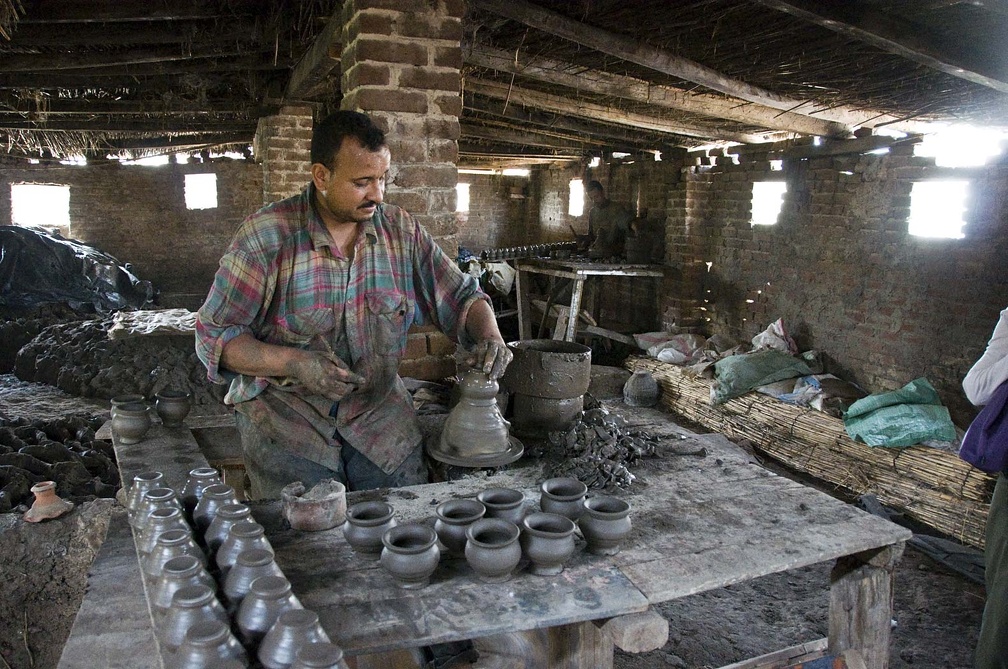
column 475, row 433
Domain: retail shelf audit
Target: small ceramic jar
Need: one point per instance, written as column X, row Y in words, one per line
column 293, row 628
column 504, row 503
column 605, row 524
column 168, row 545
column 156, row 498
column 172, row 406
column 241, row 537
column 214, row 496
column 453, row 518
column 227, row 516
column 119, row 400
column 641, row 389
column 141, row 484
column 159, row 520
column 492, row 549
column 249, row 565
column 131, row 422
column 209, row 643
column 268, row 597
column 366, row 522
column 178, row 573
column 410, row 554
column 547, row 540
column 199, row 480
column 564, row 495
column 190, row 605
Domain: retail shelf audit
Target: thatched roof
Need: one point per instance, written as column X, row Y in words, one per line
column 550, row 79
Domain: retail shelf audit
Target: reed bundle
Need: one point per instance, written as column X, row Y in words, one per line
column 930, row 485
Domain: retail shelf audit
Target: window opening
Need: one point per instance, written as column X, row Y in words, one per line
column 462, row 199
column 767, row 200
column 575, row 205
column 937, row 208
column 41, row 205
column 201, row 191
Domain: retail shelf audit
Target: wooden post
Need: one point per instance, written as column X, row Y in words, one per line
column 522, row 280
column 861, row 603
column 573, row 646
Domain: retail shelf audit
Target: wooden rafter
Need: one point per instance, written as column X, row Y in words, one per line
column 662, row 60
column 603, row 83
column 318, row 62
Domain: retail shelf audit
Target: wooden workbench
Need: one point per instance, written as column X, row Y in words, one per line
column 577, row 273
column 699, row 524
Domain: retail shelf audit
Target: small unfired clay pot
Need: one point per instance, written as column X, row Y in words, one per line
column 214, row 496
column 293, row 629
column 366, row 522
column 492, row 549
column 172, row 406
column 547, row 540
column 249, row 565
column 453, row 518
column 605, row 524
column 142, row 482
column 209, row 643
column 319, row 655
column 268, row 597
column 241, row 537
column 227, row 516
column 410, row 554
column 190, row 605
column 503, row 503
column 130, row 422
column 199, row 480
column 564, row 495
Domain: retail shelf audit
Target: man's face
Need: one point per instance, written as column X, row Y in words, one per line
column 594, row 195
column 355, row 186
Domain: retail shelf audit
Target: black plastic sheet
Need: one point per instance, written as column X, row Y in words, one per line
column 37, row 267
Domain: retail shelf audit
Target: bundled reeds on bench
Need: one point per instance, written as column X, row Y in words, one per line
column 930, row 485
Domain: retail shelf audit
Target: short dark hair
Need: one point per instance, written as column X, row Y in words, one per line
column 594, row 185
column 328, row 135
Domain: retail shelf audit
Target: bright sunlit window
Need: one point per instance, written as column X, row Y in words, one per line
column 767, row 200
column 201, row 191
column 575, row 205
column 41, row 205
column 962, row 146
column 462, row 201
column 937, row 208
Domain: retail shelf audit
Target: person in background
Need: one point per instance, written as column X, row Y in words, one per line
column 608, row 223
column 308, row 315
column 986, row 375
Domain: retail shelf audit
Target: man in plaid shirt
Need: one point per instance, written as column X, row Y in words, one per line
column 308, row 314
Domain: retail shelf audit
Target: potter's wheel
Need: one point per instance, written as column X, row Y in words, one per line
column 444, row 452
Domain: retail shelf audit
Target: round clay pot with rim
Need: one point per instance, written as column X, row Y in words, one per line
column 248, row 566
column 199, row 480
column 224, row 519
column 209, row 643
column 131, row 422
column 365, row 524
column 178, row 573
column 268, row 597
column 492, row 549
column 47, row 504
column 142, row 482
column 158, row 521
column 504, row 503
column 168, row 545
column 190, row 605
column 410, row 553
column 321, row 508
column 605, row 524
column 641, row 389
column 214, row 496
column 564, row 495
column 241, row 537
column 119, row 400
column 155, row 498
column 173, row 406
column 547, row 540
column 319, row 655
column 292, row 629
column 453, row 517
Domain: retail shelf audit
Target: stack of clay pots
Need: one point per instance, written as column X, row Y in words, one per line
column 217, row 597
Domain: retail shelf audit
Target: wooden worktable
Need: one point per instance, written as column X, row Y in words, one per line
column 700, row 523
column 576, row 272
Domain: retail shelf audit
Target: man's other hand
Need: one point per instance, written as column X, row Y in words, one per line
column 324, row 374
column 491, row 356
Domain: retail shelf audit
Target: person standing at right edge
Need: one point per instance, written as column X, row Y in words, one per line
column 989, row 372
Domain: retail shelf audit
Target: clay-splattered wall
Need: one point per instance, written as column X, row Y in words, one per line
column 840, row 267
column 138, row 214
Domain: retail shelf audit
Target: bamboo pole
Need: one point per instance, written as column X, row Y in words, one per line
column 930, row 485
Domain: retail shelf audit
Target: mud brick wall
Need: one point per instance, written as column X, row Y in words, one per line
column 138, row 214
column 499, row 212
column 283, row 145
column 840, row 267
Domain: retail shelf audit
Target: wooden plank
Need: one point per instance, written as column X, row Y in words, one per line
column 783, row 657
column 173, row 451
column 861, row 596
column 321, row 58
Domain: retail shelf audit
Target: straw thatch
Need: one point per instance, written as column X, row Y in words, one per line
column 930, row 485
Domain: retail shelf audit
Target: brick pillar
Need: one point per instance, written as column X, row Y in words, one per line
column 283, row 146
column 401, row 65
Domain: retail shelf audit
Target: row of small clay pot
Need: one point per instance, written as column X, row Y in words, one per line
column 192, row 625
column 492, row 532
column 131, row 415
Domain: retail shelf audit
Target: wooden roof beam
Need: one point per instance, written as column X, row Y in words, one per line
column 318, row 62
column 599, row 112
column 662, row 60
column 602, row 83
column 524, row 137
column 963, row 59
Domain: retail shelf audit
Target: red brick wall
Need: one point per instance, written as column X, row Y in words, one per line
column 138, row 214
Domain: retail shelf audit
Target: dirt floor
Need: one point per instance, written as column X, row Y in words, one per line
column 43, row 573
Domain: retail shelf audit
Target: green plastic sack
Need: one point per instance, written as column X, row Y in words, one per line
column 899, row 418
column 738, row 374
